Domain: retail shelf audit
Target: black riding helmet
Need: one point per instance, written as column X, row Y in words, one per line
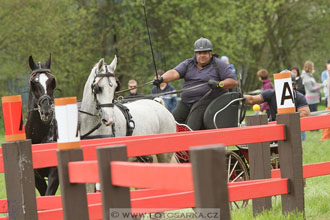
column 203, row 44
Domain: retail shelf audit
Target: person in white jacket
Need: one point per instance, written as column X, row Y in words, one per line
column 312, row 88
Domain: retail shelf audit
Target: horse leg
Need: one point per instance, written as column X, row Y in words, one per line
column 53, row 181
column 40, row 182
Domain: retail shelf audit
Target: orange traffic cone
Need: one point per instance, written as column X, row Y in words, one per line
column 325, row 131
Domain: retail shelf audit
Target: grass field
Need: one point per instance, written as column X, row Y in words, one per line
column 317, row 190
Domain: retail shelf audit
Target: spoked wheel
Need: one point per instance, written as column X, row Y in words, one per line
column 237, row 171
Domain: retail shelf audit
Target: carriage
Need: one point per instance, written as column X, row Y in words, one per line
column 228, row 110
column 98, row 108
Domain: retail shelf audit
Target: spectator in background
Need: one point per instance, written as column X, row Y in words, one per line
column 326, row 131
column 133, row 93
column 269, row 96
column 324, row 76
column 299, row 84
column 170, row 99
column 266, row 84
column 312, row 88
column 226, row 60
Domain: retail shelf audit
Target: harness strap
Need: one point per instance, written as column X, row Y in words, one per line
column 216, row 68
column 130, row 124
column 104, row 75
column 41, row 70
column 91, row 131
column 105, row 105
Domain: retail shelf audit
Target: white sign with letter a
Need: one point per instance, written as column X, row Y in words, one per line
column 284, row 93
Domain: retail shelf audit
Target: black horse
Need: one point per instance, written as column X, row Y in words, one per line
column 41, row 125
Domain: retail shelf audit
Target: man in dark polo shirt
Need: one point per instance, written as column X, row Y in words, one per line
column 205, row 77
column 270, row 97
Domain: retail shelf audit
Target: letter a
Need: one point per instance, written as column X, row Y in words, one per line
column 284, row 97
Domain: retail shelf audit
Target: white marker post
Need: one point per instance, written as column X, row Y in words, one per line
column 284, row 93
column 73, row 195
column 66, row 111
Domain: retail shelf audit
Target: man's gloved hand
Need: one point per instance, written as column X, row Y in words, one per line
column 213, row 83
column 158, row 81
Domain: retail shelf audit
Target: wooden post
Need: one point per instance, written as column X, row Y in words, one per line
column 290, row 152
column 19, row 177
column 113, row 197
column 210, row 179
column 259, row 160
column 74, row 199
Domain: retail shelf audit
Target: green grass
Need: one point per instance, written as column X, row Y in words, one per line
column 317, row 190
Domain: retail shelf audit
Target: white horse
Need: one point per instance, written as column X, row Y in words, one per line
column 100, row 116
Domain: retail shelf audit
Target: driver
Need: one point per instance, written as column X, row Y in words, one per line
column 205, row 77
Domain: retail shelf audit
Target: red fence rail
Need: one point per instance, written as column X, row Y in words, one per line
column 145, row 145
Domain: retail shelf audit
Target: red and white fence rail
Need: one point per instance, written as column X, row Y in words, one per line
column 180, row 193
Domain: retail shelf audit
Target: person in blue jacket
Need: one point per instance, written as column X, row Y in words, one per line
column 169, row 99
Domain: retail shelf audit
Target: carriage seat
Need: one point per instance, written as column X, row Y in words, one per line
column 229, row 116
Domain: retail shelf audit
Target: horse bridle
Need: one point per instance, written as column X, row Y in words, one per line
column 44, row 97
column 97, row 89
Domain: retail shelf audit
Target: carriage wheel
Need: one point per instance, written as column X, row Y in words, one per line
column 237, row 171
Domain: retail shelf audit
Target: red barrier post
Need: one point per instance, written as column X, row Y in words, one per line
column 290, row 152
column 259, row 160
column 210, row 179
column 13, row 118
column 17, row 157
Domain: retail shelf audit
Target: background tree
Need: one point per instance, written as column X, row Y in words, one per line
column 271, row 34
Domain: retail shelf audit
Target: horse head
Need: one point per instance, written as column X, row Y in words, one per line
column 103, row 89
column 42, row 86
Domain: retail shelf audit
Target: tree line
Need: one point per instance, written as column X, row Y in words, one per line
column 271, row 34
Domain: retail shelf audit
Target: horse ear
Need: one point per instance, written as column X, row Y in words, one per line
column 100, row 64
column 113, row 65
column 32, row 63
column 49, row 61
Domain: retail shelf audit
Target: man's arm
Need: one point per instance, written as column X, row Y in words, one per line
column 254, row 99
column 170, row 75
column 304, row 111
column 229, row 83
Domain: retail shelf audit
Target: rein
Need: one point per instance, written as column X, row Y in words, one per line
column 122, row 99
column 126, row 90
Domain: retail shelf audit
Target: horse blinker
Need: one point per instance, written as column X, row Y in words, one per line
column 96, row 89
